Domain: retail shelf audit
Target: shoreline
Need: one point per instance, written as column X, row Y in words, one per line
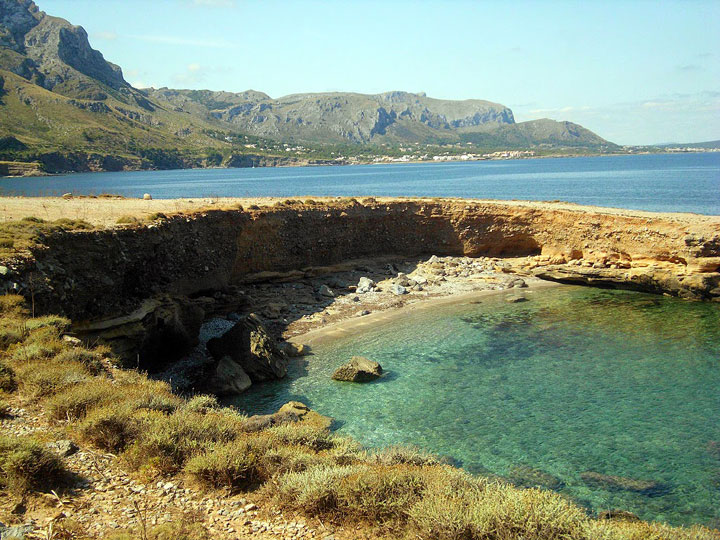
column 350, row 326
column 343, row 164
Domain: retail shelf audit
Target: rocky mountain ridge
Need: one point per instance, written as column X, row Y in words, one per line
column 59, row 95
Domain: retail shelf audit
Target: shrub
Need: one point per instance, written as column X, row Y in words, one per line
column 7, row 243
column 301, row 435
column 8, row 383
column 166, row 442
column 92, row 360
column 4, row 408
column 313, row 491
column 380, row 494
column 111, row 427
column 127, row 220
column 202, row 404
column 74, row 402
column 236, row 465
column 60, row 324
column 42, row 378
column 32, row 219
column 26, row 465
column 10, row 303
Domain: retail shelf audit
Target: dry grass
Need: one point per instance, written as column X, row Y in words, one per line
column 26, row 465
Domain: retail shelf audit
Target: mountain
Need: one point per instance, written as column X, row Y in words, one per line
column 64, row 105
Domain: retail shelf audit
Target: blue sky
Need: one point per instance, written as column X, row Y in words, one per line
column 635, row 72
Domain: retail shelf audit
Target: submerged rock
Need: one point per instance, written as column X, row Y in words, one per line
column 618, row 515
column 358, row 369
column 249, row 345
column 620, row 483
column 525, row 476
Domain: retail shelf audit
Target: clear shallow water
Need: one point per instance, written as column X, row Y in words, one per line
column 662, row 182
column 575, row 379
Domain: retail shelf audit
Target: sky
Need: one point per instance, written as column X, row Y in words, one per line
column 634, row 72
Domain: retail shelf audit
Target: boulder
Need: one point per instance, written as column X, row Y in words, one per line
column 306, row 415
column 147, row 197
column 249, row 345
column 295, row 350
column 398, row 290
column 620, row 483
column 365, row 285
column 358, row 369
column 64, row 448
column 326, row 291
column 229, row 378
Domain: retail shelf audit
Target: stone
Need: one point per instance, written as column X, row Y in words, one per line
column 358, row 369
column 515, row 299
column 72, row 340
column 64, row 447
column 4, row 270
column 326, row 291
column 365, row 285
column 620, row 483
column 147, row 197
column 397, row 289
column 249, row 344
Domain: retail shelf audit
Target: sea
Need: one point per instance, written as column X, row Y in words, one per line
column 686, row 182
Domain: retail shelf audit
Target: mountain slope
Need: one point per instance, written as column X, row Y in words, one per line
column 59, row 96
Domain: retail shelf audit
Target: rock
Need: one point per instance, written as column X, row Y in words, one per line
column 620, row 483
column 518, row 283
column 229, row 378
column 295, row 350
column 249, row 345
column 17, row 532
column 67, row 195
column 326, row 291
column 64, row 447
column 358, row 369
column 4, row 270
column 525, row 476
column 398, row 290
column 306, row 414
column 364, row 312
column 274, row 310
column 147, row 197
column 72, row 340
column 365, row 285
column 515, row 299
column 259, row 422
column 618, row 515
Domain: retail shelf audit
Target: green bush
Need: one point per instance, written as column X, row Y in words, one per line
column 202, row 404
column 26, row 465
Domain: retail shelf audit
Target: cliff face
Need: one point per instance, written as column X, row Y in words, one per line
column 91, row 275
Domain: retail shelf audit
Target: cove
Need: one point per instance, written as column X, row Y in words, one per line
column 571, row 381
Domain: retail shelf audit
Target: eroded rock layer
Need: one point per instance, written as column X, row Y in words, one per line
column 91, row 275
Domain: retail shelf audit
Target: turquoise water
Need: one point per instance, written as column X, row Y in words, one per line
column 575, row 379
column 661, row 182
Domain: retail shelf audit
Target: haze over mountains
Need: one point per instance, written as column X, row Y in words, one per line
column 60, row 97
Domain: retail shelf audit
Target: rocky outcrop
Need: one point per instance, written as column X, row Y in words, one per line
column 358, row 369
column 251, row 349
column 99, row 274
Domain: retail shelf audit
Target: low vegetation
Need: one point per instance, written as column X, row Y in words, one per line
column 399, row 492
column 19, row 236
